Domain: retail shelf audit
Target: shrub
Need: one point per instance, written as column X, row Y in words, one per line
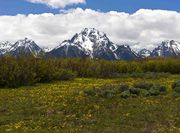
column 125, row 94
column 143, row 85
column 162, row 88
column 135, row 91
column 177, row 89
column 107, row 91
column 20, row 71
column 176, row 94
column 15, row 72
column 176, row 84
column 123, row 87
column 62, row 74
column 144, row 93
column 157, row 89
column 123, row 90
column 104, row 91
column 154, row 91
column 90, row 92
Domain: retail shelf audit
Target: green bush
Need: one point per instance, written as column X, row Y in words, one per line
column 125, row 94
column 157, row 89
column 107, row 93
column 62, row 74
column 15, row 72
column 177, row 89
column 146, row 89
column 143, row 85
column 123, row 87
column 144, row 93
column 90, row 92
column 176, row 84
column 123, row 90
column 176, row 94
column 135, row 91
column 162, row 88
column 154, row 91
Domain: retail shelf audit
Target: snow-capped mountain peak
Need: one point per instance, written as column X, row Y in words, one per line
column 23, row 43
column 94, row 44
column 47, row 49
column 144, row 53
column 25, row 46
column 90, row 38
column 87, row 40
column 167, row 48
column 93, row 33
column 5, row 47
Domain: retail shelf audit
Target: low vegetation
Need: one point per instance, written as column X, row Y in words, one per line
column 89, row 96
column 124, row 91
column 176, row 88
column 93, row 105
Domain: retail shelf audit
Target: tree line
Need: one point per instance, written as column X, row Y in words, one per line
column 15, row 72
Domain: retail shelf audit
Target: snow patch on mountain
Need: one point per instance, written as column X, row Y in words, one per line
column 20, row 48
column 5, row 47
column 94, row 44
column 46, row 49
column 166, row 49
column 144, row 53
column 88, row 40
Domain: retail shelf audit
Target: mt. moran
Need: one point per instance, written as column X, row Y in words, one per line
column 94, row 44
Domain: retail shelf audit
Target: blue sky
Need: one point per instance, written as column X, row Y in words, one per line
column 13, row 7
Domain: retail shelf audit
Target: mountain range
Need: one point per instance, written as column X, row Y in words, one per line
column 89, row 43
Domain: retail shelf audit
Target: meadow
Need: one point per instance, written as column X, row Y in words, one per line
column 62, row 106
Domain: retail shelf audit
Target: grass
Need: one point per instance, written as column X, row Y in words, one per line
column 62, row 107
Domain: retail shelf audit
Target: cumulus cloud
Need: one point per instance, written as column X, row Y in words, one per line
column 141, row 29
column 57, row 3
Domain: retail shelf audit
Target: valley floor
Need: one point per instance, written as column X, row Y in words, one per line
column 62, row 107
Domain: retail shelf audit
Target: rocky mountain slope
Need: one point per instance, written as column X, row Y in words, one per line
column 5, row 47
column 93, row 44
column 25, row 47
column 166, row 49
column 143, row 53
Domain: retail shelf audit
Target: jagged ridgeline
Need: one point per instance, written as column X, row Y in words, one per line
column 94, row 44
column 25, row 47
column 89, row 43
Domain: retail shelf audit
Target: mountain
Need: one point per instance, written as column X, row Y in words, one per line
column 4, row 47
column 46, row 49
column 143, row 53
column 93, row 44
column 167, row 49
column 89, row 43
column 25, row 47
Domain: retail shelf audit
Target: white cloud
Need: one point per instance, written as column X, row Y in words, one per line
column 144, row 26
column 57, row 3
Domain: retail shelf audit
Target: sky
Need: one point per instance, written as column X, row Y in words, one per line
column 13, row 7
column 49, row 22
